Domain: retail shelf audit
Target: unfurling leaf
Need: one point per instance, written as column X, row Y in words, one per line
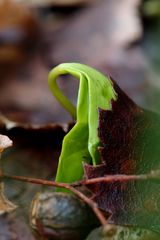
column 81, row 143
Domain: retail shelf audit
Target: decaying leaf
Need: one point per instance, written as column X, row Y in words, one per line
column 129, row 139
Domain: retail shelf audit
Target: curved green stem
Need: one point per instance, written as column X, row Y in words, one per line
column 64, row 101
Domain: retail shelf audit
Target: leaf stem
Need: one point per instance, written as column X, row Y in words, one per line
column 58, row 94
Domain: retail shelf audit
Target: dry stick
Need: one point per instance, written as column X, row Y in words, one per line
column 154, row 175
column 90, row 202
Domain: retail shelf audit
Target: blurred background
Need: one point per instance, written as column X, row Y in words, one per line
column 120, row 38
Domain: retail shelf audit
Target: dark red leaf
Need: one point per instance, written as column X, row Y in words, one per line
column 129, row 139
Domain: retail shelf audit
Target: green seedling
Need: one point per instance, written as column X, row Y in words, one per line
column 81, row 143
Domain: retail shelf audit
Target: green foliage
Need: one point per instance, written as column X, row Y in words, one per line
column 80, row 144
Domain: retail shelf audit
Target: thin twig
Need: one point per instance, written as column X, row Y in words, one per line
column 154, row 175
column 87, row 200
